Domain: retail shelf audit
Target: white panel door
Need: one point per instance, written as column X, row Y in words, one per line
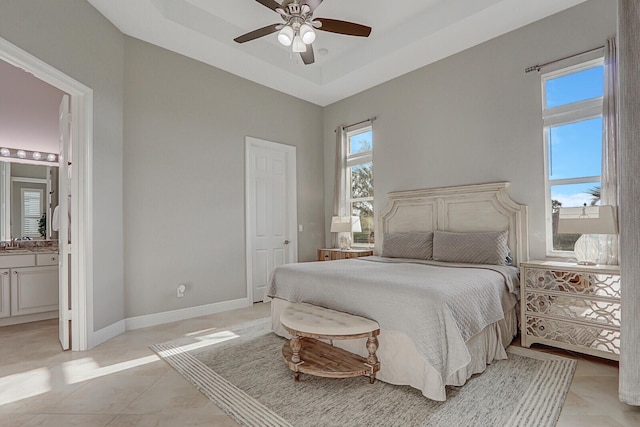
column 64, row 186
column 271, row 211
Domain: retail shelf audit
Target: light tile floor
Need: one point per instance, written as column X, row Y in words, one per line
column 123, row 383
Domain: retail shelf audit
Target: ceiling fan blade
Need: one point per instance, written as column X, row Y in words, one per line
column 313, row 4
column 271, row 4
column 308, row 57
column 344, row 27
column 256, row 34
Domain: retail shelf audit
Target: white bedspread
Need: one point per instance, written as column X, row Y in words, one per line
column 438, row 305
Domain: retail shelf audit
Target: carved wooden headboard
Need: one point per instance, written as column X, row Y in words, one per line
column 468, row 208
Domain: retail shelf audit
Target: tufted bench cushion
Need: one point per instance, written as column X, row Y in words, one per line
column 316, row 320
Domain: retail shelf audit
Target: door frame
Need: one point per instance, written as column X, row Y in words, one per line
column 81, row 185
column 292, row 201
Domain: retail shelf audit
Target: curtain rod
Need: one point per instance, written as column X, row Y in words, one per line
column 538, row 67
column 371, row 119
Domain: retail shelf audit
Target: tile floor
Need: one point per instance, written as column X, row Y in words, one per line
column 123, row 383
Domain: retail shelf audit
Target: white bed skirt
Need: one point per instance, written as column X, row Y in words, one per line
column 401, row 364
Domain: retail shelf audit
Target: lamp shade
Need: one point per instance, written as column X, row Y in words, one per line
column 587, row 220
column 285, row 36
column 345, row 224
column 307, row 34
column 298, row 45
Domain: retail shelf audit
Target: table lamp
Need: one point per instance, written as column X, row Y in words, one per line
column 587, row 220
column 345, row 224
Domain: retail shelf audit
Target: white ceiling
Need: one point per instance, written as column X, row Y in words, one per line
column 406, row 35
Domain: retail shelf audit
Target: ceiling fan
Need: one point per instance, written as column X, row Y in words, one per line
column 298, row 30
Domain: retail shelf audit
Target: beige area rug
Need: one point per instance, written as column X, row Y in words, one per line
column 241, row 370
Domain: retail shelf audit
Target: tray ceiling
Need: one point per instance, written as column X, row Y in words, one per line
column 406, row 35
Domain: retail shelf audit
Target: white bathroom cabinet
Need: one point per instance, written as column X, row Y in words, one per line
column 28, row 287
column 34, row 290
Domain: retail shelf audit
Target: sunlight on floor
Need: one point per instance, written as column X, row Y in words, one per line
column 204, row 341
column 80, row 370
column 203, row 331
column 24, row 385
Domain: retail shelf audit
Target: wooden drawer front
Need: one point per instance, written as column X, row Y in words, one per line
column 580, row 283
column 604, row 312
column 46, row 259
column 595, row 338
column 326, row 255
column 357, row 254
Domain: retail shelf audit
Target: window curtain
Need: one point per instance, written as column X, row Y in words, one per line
column 629, row 108
column 609, row 185
column 339, row 189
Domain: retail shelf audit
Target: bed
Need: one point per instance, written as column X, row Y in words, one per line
column 441, row 320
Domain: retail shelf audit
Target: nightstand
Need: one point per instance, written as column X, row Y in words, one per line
column 571, row 306
column 334, row 254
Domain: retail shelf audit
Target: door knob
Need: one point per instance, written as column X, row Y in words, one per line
column 286, row 242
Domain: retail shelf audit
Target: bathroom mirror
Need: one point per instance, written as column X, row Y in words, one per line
column 28, row 197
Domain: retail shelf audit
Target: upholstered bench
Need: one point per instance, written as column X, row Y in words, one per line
column 308, row 324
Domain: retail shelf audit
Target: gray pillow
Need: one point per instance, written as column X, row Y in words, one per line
column 472, row 248
column 408, row 245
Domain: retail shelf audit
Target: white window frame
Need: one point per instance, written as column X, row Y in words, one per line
column 24, row 215
column 563, row 115
column 357, row 159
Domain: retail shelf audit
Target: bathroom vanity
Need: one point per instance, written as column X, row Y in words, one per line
column 28, row 284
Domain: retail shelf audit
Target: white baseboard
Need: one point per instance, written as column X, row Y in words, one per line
column 107, row 333
column 185, row 313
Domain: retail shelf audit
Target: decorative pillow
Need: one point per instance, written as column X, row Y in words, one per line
column 472, row 248
column 408, row 245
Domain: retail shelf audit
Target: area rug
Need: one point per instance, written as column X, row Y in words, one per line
column 241, row 370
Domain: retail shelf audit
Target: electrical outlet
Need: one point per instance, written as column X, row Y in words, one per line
column 180, row 291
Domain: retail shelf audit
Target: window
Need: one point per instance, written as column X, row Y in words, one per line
column 572, row 114
column 360, row 182
column 31, row 211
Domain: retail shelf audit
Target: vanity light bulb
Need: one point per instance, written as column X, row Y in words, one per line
column 36, row 155
column 51, row 157
column 5, row 152
column 22, row 154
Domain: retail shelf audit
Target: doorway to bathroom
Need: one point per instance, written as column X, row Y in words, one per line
column 72, row 152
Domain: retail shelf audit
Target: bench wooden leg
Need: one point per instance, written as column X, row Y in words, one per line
column 296, row 345
column 372, row 360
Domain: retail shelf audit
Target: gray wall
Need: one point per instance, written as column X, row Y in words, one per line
column 73, row 37
column 471, row 118
column 184, row 128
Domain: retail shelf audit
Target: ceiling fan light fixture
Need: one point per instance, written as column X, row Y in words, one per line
column 285, row 36
column 307, row 33
column 298, row 45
